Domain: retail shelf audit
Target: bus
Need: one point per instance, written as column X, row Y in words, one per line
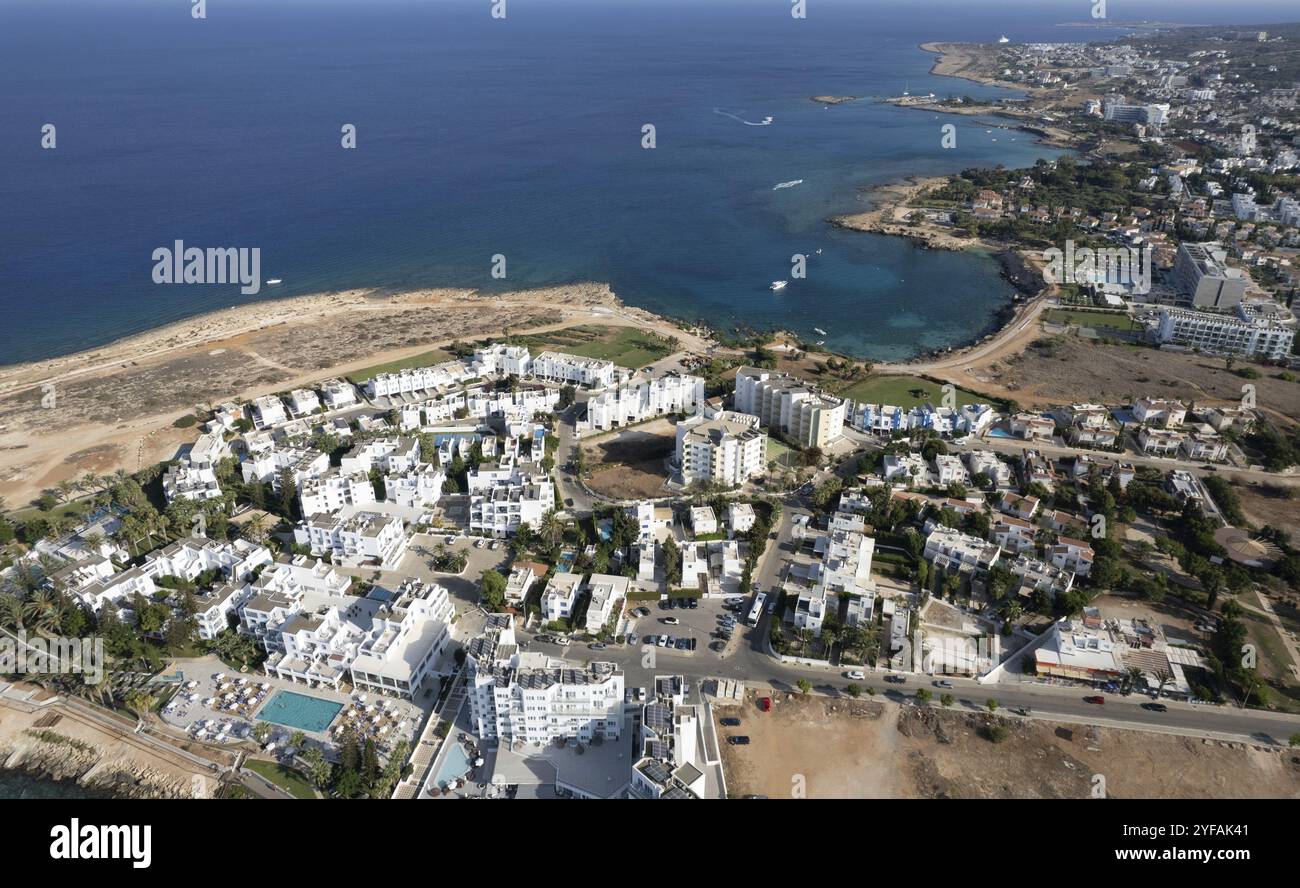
column 756, row 609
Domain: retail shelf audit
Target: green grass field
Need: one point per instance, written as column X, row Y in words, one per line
column 424, row 359
column 291, row 780
column 782, row 454
column 625, row 346
column 905, row 391
column 1095, row 319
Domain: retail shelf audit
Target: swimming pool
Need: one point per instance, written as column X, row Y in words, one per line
column 456, row 764
column 300, row 711
column 565, row 562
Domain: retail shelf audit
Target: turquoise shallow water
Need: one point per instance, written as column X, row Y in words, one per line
column 478, row 137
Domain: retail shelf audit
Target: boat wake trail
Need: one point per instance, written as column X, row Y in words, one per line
column 766, row 121
column 790, row 184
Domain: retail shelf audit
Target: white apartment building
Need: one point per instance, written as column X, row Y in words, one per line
column 530, row 698
column 265, row 465
column 1159, row 412
column 1032, row 426
column 949, row 470
column 338, row 394
column 561, row 596
column 354, row 537
column 417, row 489
column 1036, row 576
column 841, row 570
column 1222, row 334
column 521, row 579
column 651, row 520
column 1071, row 554
column 607, row 596
column 330, row 492
column 506, row 360
column 988, row 463
column 905, row 468
column 388, row 455
column 1161, row 442
column 499, row 509
column 950, row 549
column 214, row 610
column 727, row 450
column 1202, row 275
column 740, row 518
column 419, row 379
column 303, row 402
column 703, row 520
column 789, row 406
column 574, row 369
column 268, row 411
column 671, row 762
column 635, row 402
column 1014, row 535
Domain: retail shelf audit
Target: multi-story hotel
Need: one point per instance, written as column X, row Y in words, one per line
column 789, row 406
column 728, row 449
column 633, row 402
column 531, row 698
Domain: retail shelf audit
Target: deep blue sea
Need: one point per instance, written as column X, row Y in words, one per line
column 478, row 136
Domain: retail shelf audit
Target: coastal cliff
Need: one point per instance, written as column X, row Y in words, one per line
column 53, row 756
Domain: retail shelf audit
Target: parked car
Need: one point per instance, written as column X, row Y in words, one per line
column 895, row 679
column 631, row 638
column 943, row 683
column 543, row 638
column 855, row 675
column 450, row 539
column 479, row 543
column 662, row 641
column 765, row 704
column 692, row 603
column 683, row 644
column 651, row 639
column 731, row 722
column 670, row 621
column 742, row 740
column 496, row 544
column 1095, row 698
column 1155, row 707
column 598, row 645
column 561, row 641
column 692, row 643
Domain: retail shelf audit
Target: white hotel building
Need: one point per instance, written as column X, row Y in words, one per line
column 531, row 698
column 634, row 402
column 789, row 406
column 728, row 449
column 1264, row 336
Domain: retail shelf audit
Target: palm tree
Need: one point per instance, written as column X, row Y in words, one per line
column 11, row 611
column 256, row 528
column 552, row 527
column 65, row 489
column 141, row 703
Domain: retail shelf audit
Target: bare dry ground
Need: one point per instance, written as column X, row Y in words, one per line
column 1066, row 369
column 630, row 464
column 868, row 749
column 1271, row 504
column 113, row 407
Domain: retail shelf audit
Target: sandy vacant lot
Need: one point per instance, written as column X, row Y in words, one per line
column 1066, row 369
column 630, row 464
column 841, row 749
